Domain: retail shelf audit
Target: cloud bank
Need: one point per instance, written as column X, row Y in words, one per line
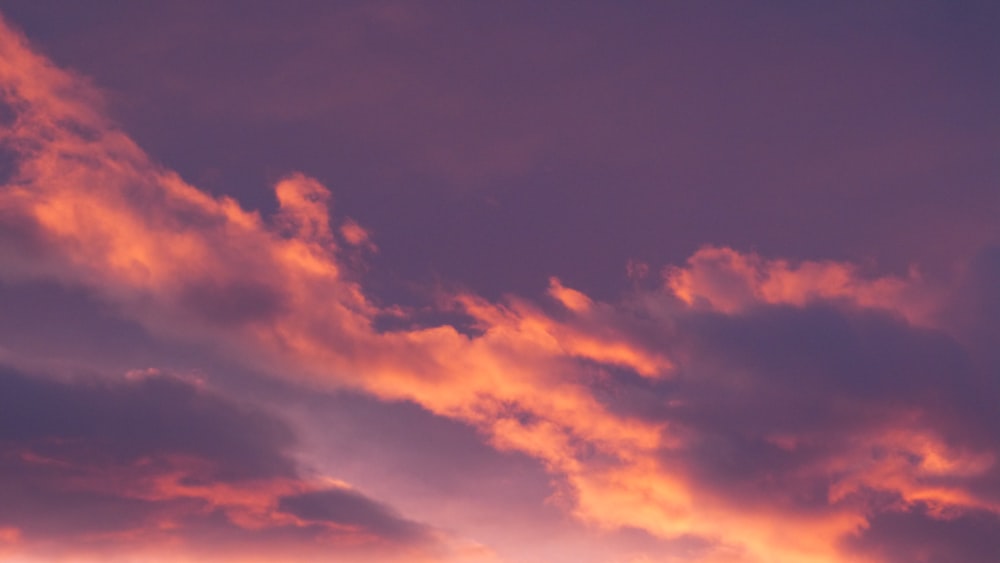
column 159, row 468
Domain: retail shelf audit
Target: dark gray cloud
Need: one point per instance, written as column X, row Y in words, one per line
column 86, row 462
column 829, row 374
column 822, row 367
column 349, row 508
column 119, row 423
column 916, row 535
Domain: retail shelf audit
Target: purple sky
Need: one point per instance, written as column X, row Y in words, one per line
column 513, row 282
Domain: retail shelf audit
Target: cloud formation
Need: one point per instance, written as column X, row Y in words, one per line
column 98, row 469
column 776, row 411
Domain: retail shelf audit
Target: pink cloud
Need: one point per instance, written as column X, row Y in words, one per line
column 728, row 281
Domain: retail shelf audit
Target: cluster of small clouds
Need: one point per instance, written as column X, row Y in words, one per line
column 776, row 411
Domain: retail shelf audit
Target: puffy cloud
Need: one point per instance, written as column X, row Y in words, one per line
column 303, row 203
column 570, row 298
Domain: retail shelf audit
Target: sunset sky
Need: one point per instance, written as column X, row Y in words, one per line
column 499, row 282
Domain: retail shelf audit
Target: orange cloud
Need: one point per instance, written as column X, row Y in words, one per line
column 356, row 235
column 303, row 204
column 570, row 298
column 728, row 281
column 193, row 266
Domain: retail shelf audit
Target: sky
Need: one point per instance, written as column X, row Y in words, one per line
column 511, row 282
